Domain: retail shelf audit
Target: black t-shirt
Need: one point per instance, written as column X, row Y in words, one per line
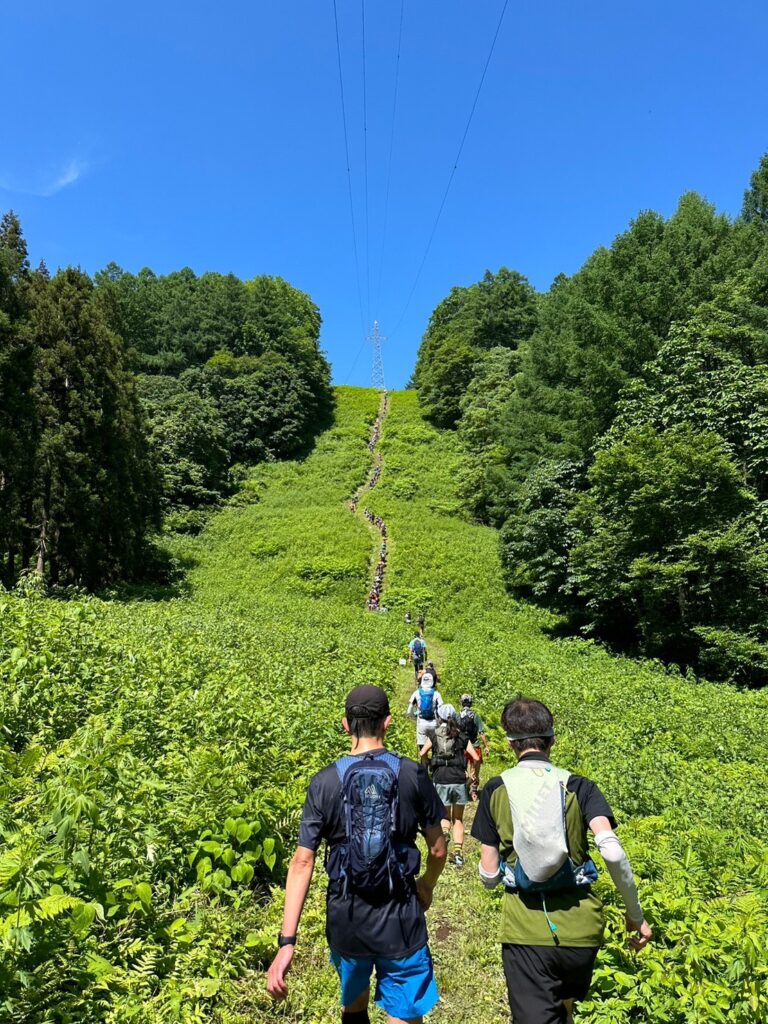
column 449, row 770
column 395, row 928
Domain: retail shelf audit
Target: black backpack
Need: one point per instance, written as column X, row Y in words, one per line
column 448, row 748
column 468, row 726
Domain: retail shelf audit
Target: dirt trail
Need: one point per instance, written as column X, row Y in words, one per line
column 373, row 601
column 463, row 920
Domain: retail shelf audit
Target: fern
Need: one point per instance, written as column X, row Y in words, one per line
column 49, row 907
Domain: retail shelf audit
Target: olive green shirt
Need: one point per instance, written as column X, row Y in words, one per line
column 578, row 915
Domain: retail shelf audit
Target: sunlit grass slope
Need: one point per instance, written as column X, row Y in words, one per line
column 682, row 761
column 155, row 755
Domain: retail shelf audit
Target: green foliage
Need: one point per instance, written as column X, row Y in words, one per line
column 16, row 412
column 666, row 547
column 232, row 375
column 680, row 760
column 755, row 208
column 77, row 489
column 664, row 331
column 189, row 440
column 499, row 311
column 539, row 535
column 155, row 756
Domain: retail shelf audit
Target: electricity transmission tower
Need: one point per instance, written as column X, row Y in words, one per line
column 377, row 374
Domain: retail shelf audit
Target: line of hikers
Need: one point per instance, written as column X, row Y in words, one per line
column 376, row 473
column 374, row 597
column 533, row 824
column 376, row 432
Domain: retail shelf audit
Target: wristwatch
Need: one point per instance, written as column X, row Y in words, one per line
column 285, row 940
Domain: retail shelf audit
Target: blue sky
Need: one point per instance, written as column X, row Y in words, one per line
column 167, row 134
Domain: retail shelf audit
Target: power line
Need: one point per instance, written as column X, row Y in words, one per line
column 453, row 171
column 365, row 165
column 349, row 172
column 391, row 150
column 354, row 361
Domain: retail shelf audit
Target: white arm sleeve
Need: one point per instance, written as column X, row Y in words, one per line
column 620, row 871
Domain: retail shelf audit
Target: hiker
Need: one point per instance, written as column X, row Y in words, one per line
column 420, row 623
column 369, row 807
column 417, row 653
column 532, row 824
column 449, row 775
column 423, row 706
column 433, row 672
column 407, row 618
column 472, row 727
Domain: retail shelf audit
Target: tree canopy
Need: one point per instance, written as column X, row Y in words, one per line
column 132, row 396
column 620, row 442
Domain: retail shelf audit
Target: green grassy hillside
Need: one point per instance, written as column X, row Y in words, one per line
column 155, row 754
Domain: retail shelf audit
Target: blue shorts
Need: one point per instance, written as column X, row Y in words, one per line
column 405, row 988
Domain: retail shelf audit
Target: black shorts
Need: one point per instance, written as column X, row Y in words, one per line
column 539, row 978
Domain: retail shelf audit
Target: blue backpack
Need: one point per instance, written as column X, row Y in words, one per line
column 427, row 705
column 419, row 647
column 370, row 863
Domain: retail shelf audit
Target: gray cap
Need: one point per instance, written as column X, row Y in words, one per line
column 446, row 712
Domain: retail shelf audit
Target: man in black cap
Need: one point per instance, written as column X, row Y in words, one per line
column 369, row 808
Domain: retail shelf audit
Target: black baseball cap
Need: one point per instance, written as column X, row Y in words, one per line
column 367, row 702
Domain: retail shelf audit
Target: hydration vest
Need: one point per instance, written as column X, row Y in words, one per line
column 427, row 705
column 537, row 798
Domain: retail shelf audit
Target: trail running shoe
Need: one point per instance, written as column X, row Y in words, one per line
column 458, row 860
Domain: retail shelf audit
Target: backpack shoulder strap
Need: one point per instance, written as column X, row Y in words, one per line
column 392, row 760
column 343, row 765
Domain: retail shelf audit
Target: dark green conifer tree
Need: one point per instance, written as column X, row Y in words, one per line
column 93, row 494
column 16, row 412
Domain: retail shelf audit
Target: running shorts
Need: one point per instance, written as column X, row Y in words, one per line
column 539, row 978
column 425, row 730
column 453, row 793
column 405, row 988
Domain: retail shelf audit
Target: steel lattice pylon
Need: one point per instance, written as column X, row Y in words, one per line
column 377, row 373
